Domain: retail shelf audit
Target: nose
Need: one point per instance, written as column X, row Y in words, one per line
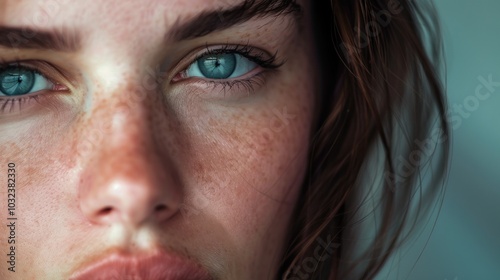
column 128, row 177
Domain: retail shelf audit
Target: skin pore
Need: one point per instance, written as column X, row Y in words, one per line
column 128, row 152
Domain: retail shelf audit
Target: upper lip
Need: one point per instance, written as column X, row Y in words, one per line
column 157, row 266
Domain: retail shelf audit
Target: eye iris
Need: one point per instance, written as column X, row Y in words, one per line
column 220, row 66
column 16, row 81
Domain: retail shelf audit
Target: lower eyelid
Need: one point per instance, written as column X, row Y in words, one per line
column 38, row 103
column 225, row 89
column 15, row 105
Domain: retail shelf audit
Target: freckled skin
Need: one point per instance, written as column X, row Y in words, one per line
column 211, row 177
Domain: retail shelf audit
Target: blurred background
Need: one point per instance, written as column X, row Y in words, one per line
column 465, row 241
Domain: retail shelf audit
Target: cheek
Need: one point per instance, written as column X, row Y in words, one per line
column 244, row 165
column 43, row 196
column 248, row 162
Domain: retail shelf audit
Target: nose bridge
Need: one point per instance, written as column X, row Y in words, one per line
column 128, row 177
column 122, row 114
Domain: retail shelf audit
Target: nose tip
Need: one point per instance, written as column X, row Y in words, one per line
column 131, row 187
column 128, row 203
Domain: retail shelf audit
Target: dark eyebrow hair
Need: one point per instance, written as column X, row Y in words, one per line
column 28, row 38
column 205, row 23
column 211, row 21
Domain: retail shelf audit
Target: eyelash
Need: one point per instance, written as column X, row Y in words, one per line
column 248, row 84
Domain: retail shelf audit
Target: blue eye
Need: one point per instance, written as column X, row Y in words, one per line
column 221, row 66
column 17, row 80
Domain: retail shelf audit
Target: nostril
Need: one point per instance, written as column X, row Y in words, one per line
column 160, row 208
column 161, row 211
column 105, row 211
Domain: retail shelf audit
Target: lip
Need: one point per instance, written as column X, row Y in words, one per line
column 157, row 266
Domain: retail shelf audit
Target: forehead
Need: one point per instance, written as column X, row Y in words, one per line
column 43, row 14
column 139, row 19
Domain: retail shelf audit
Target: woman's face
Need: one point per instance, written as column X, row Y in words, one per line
column 152, row 132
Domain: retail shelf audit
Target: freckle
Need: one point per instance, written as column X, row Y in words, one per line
column 198, row 167
column 212, row 122
column 234, row 134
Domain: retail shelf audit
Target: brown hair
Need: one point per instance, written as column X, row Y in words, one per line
column 381, row 93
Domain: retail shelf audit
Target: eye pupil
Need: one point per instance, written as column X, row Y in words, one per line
column 16, row 81
column 220, row 66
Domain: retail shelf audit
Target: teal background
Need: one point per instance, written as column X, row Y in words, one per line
column 465, row 243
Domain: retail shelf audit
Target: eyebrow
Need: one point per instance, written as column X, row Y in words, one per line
column 211, row 21
column 207, row 22
column 28, row 38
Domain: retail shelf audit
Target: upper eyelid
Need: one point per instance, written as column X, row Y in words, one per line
column 228, row 48
column 255, row 54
